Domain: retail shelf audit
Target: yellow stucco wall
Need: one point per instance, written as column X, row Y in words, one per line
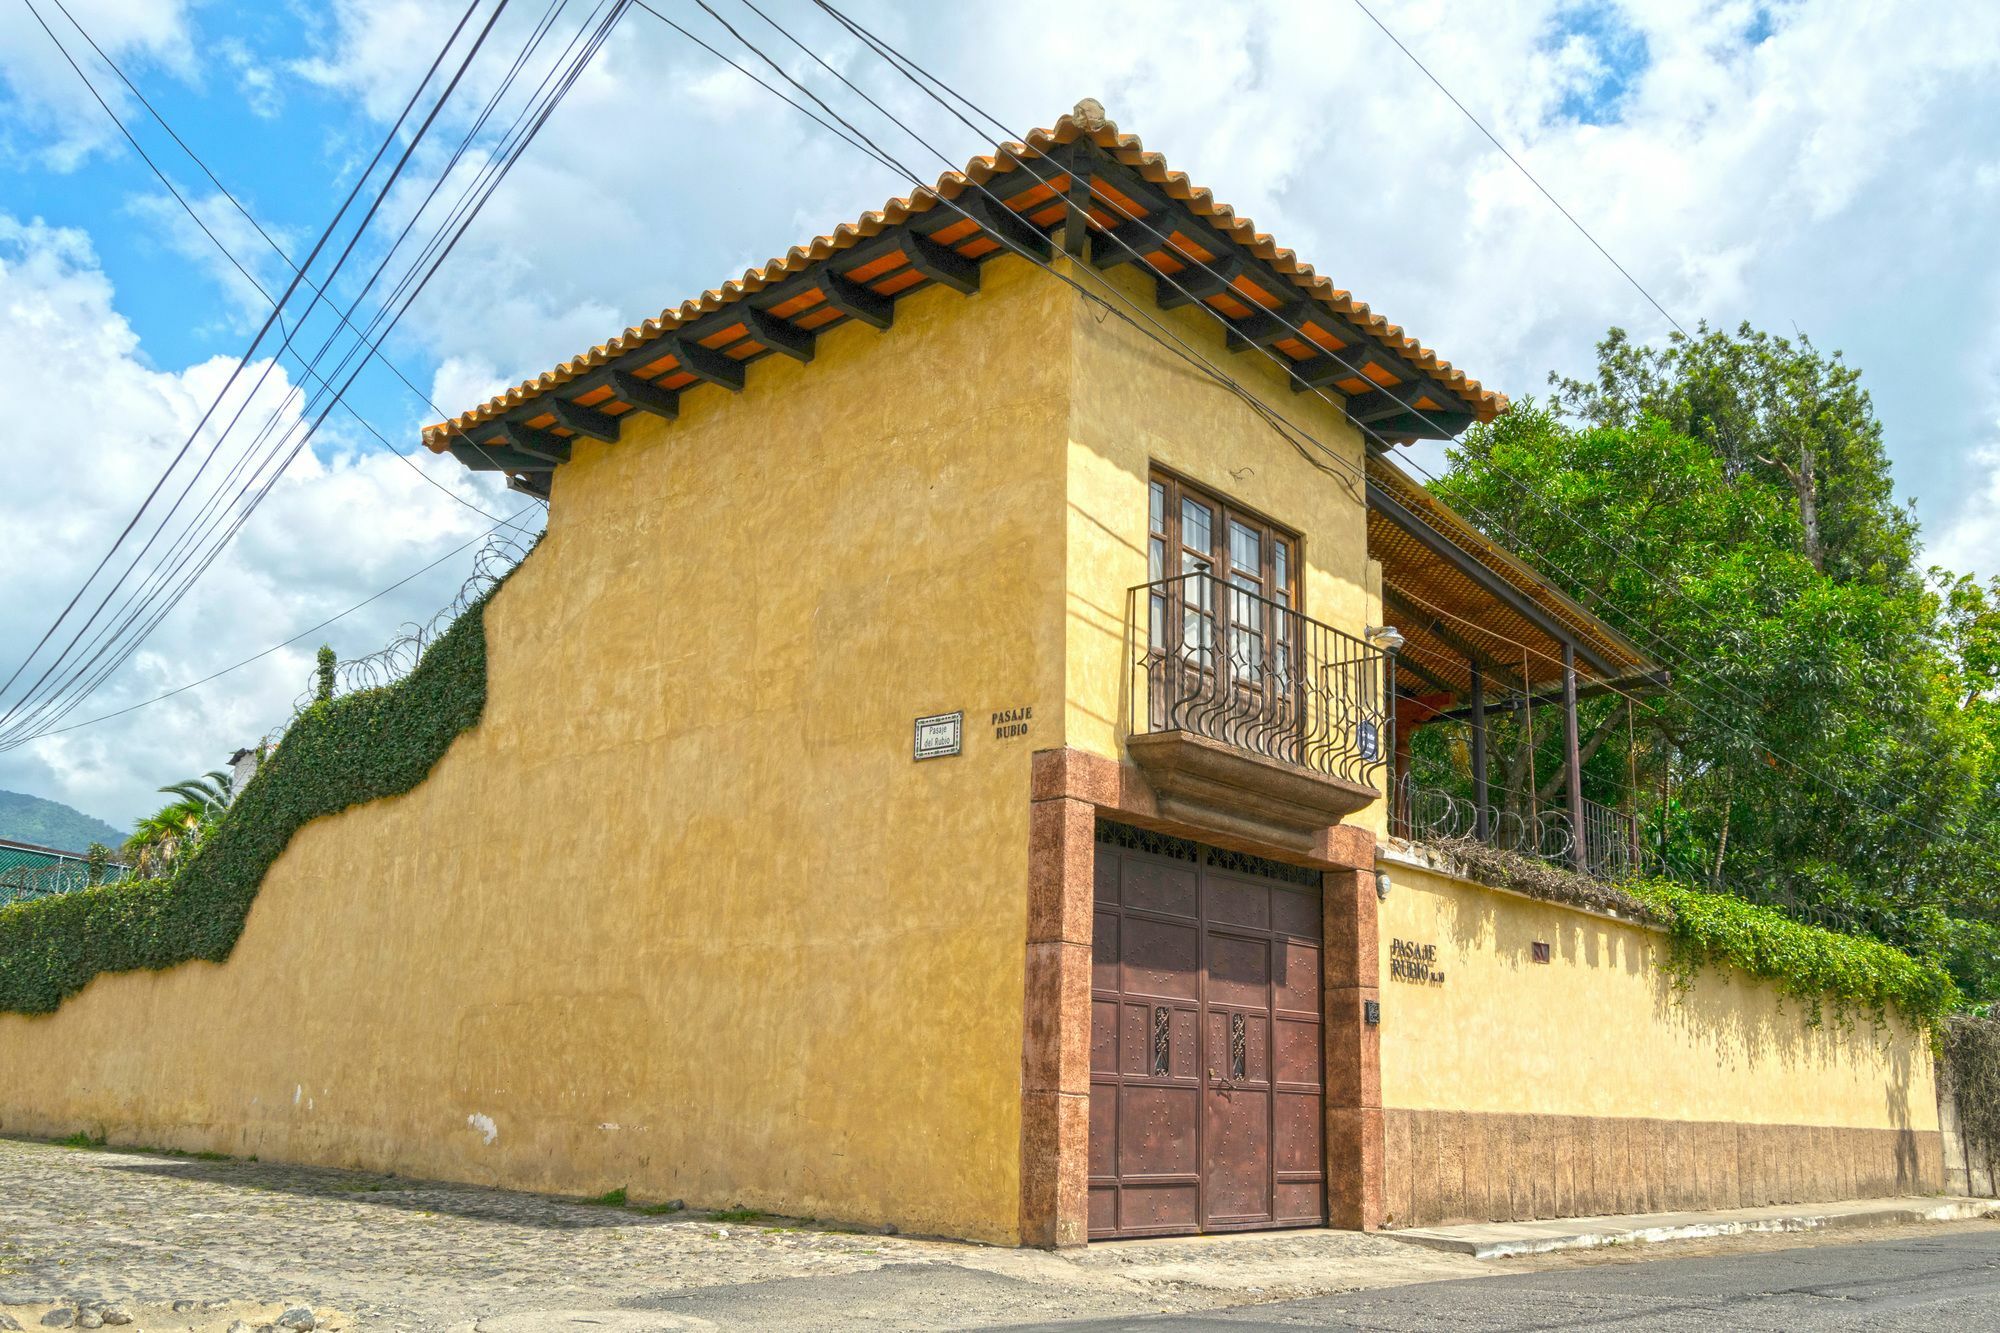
column 680, row 914
column 1137, row 405
column 1601, row 1031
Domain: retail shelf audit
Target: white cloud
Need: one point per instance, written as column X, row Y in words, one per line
column 1972, row 539
column 46, row 113
column 255, row 79
column 1838, row 173
column 1772, row 182
column 341, row 524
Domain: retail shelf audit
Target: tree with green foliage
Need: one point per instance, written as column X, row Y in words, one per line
column 160, row 839
column 1776, row 410
column 1829, row 742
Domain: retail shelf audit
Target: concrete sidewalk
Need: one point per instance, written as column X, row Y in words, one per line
column 1497, row 1240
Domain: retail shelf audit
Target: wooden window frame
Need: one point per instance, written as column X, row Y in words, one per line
column 1270, row 535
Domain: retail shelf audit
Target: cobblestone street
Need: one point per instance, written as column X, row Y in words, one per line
column 176, row 1243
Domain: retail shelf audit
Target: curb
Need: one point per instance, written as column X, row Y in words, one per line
column 1479, row 1242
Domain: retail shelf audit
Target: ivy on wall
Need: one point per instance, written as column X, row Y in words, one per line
column 1810, row 964
column 337, row 754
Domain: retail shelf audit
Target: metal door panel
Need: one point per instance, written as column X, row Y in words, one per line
column 1160, row 958
column 1239, row 970
column 1206, row 1070
column 1233, row 902
column 1236, row 1157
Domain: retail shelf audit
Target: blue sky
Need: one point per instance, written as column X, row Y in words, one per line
column 287, row 147
column 1801, row 166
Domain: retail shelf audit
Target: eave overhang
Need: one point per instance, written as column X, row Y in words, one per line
column 1395, row 389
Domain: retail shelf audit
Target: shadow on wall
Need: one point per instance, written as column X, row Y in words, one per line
column 1748, row 1025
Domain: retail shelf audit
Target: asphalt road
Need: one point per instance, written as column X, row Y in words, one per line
column 1948, row 1281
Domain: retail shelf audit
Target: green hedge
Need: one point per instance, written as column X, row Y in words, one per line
column 338, row 753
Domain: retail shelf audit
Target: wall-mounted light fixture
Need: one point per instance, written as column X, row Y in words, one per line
column 1382, row 885
column 1386, row 637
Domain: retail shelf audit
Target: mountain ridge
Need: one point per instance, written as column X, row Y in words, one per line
column 46, row 823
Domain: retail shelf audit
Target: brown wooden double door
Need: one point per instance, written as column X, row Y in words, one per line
column 1206, row 1069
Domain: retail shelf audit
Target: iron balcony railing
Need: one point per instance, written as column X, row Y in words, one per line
column 1612, row 846
column 1216, row 659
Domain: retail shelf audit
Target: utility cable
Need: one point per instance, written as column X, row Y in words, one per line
column 1009, row 150
column 217, row 241
column 462, row 220
column 241, row 363
column 1520, row 167
column 897, row 60
column 298, row 278
column 308, row 632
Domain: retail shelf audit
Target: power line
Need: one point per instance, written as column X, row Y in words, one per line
column 496, row 169
column 308, row 632
column 1285, row 429
column 462, row 218
column 1520, row 166
column 354, row 239
column 495, row 172
column 241, row 363
column 900, row 61
column 217, row 241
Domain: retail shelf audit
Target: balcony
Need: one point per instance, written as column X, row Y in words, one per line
column 1249, row 717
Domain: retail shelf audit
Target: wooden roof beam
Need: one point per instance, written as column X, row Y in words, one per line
column 855, row 301
column 1430, row 623
column 1267, row 328
column 585, row 420
column 494, row 456
column 644, row 395
column 1425, row 425
column 534, row 443
column 1350, row 362
column 1645, row 680
column 1131, row 242
column 940, row 263
column 1404, row 663
column 780, row 335
column 1006, row 226
column 1201, row 280
column 705, row 363
column 1396, row 399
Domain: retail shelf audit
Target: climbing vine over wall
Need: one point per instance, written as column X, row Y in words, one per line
column 338, row 753
column 1814, row 966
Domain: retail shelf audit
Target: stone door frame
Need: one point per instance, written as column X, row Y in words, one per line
column 1068, row 790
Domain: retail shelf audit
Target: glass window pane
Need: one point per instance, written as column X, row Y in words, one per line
column 1197, row 525
column 1281, row 573
column 1246, row 549
column 1159, row 507
column 1156, row 559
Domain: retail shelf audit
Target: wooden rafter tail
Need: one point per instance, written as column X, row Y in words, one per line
column 706, row 364
column 585, row 420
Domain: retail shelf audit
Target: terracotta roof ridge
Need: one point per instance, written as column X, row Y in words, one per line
column 1127, row 149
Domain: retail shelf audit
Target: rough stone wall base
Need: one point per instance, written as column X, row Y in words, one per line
column 1444, row 1167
